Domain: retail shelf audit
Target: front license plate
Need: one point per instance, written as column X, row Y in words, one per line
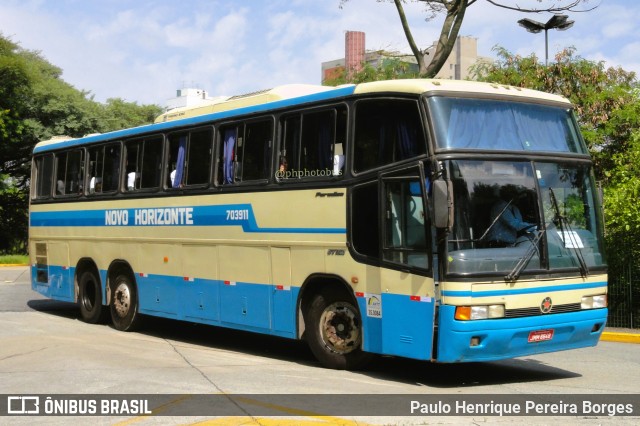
column 540, row 336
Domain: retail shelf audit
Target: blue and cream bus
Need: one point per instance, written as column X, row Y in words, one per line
column 444, row 221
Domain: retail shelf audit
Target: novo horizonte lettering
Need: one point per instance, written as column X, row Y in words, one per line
column 154, row 217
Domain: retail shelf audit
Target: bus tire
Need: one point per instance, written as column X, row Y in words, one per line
column 90, row 297
column 334, row 332
column 124, row 303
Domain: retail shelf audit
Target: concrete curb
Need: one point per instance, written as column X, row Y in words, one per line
column 610, row 336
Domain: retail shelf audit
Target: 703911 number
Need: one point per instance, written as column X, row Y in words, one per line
column 237, row 214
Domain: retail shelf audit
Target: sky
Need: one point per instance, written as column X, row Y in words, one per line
column 144, row 50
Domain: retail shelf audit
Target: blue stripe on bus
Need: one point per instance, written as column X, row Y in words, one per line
column 160, row 127
column 264, row 308
column 489, row 293
column 223, row 215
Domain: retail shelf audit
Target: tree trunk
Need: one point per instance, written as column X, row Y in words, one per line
column 448, row 36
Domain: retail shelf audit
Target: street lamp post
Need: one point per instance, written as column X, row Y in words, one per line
column 558, row 22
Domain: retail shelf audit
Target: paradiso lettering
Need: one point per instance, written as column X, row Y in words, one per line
column 150, row 217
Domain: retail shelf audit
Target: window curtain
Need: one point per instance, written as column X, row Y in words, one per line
column 541, row 129
column 227, row 161
column 407, row 140
column 503, row 126
column 182, row 147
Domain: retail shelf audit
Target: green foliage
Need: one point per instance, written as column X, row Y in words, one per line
column 36, row 104
column 622, row 194
column 14, row 259
column 117, row 114
column 13, row 217
column 388, row 69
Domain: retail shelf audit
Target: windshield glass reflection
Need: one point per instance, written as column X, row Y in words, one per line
column 503, row 225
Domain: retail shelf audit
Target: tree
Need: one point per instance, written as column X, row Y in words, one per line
column 454, row 11
column 389, row 69
column 36, row 104
column 607, row 102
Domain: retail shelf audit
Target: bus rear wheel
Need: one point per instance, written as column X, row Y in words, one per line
column 124, row 303
column 90, row 297
column 334, row 332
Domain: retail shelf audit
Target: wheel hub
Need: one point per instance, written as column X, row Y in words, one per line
column 339, row 328
column 122, row 300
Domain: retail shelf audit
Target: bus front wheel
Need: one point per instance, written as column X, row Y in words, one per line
column 124, row 303
column 334, row 332
column 90, row 297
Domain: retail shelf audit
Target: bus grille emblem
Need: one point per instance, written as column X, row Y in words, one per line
column 546, row 305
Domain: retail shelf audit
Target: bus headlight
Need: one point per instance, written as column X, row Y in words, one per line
column 594, row 302
column 465, row 313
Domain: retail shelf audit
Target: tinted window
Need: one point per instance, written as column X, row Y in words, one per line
column 143, row 163
column 104, row 168
column 245, row 152
column 189, row 158
column 386, row 131
column 312, row 145
column 43, row 176
column 69, row 172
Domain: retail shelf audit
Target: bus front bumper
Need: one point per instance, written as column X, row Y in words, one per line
column 495, row 339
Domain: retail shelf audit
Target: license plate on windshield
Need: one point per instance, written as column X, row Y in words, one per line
column 540, row 336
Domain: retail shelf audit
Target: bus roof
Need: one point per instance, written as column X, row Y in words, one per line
column 435, row 86
column 299, row 94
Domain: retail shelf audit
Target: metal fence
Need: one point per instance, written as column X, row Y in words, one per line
column 624, row 283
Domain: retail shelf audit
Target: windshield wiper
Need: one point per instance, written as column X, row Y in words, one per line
column 569, row 235
column 524, row 260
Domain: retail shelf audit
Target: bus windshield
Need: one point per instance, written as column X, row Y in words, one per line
column 504, row 125
column 541, row 215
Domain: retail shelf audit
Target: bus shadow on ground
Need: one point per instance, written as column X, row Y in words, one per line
column 469, row 374
column 402, row 370
column 55, row 307
column 408, row 371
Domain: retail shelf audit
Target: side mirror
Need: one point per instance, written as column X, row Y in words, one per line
column 443, row 204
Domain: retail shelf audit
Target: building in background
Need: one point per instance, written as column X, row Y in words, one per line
column 191, row 97
column 463, row 55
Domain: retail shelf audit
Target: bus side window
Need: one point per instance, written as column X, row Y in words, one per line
column 151, row 163
column 227, row 160
column 198, row 168
column 313, row 144
column 104, row 168
column 176, row 160
column 256, row 151
column 69, row 172
column 386, row 131
column 133, row 152
column 246, row 152
column 144, row 163
column 111, row 167
column 43, row 176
